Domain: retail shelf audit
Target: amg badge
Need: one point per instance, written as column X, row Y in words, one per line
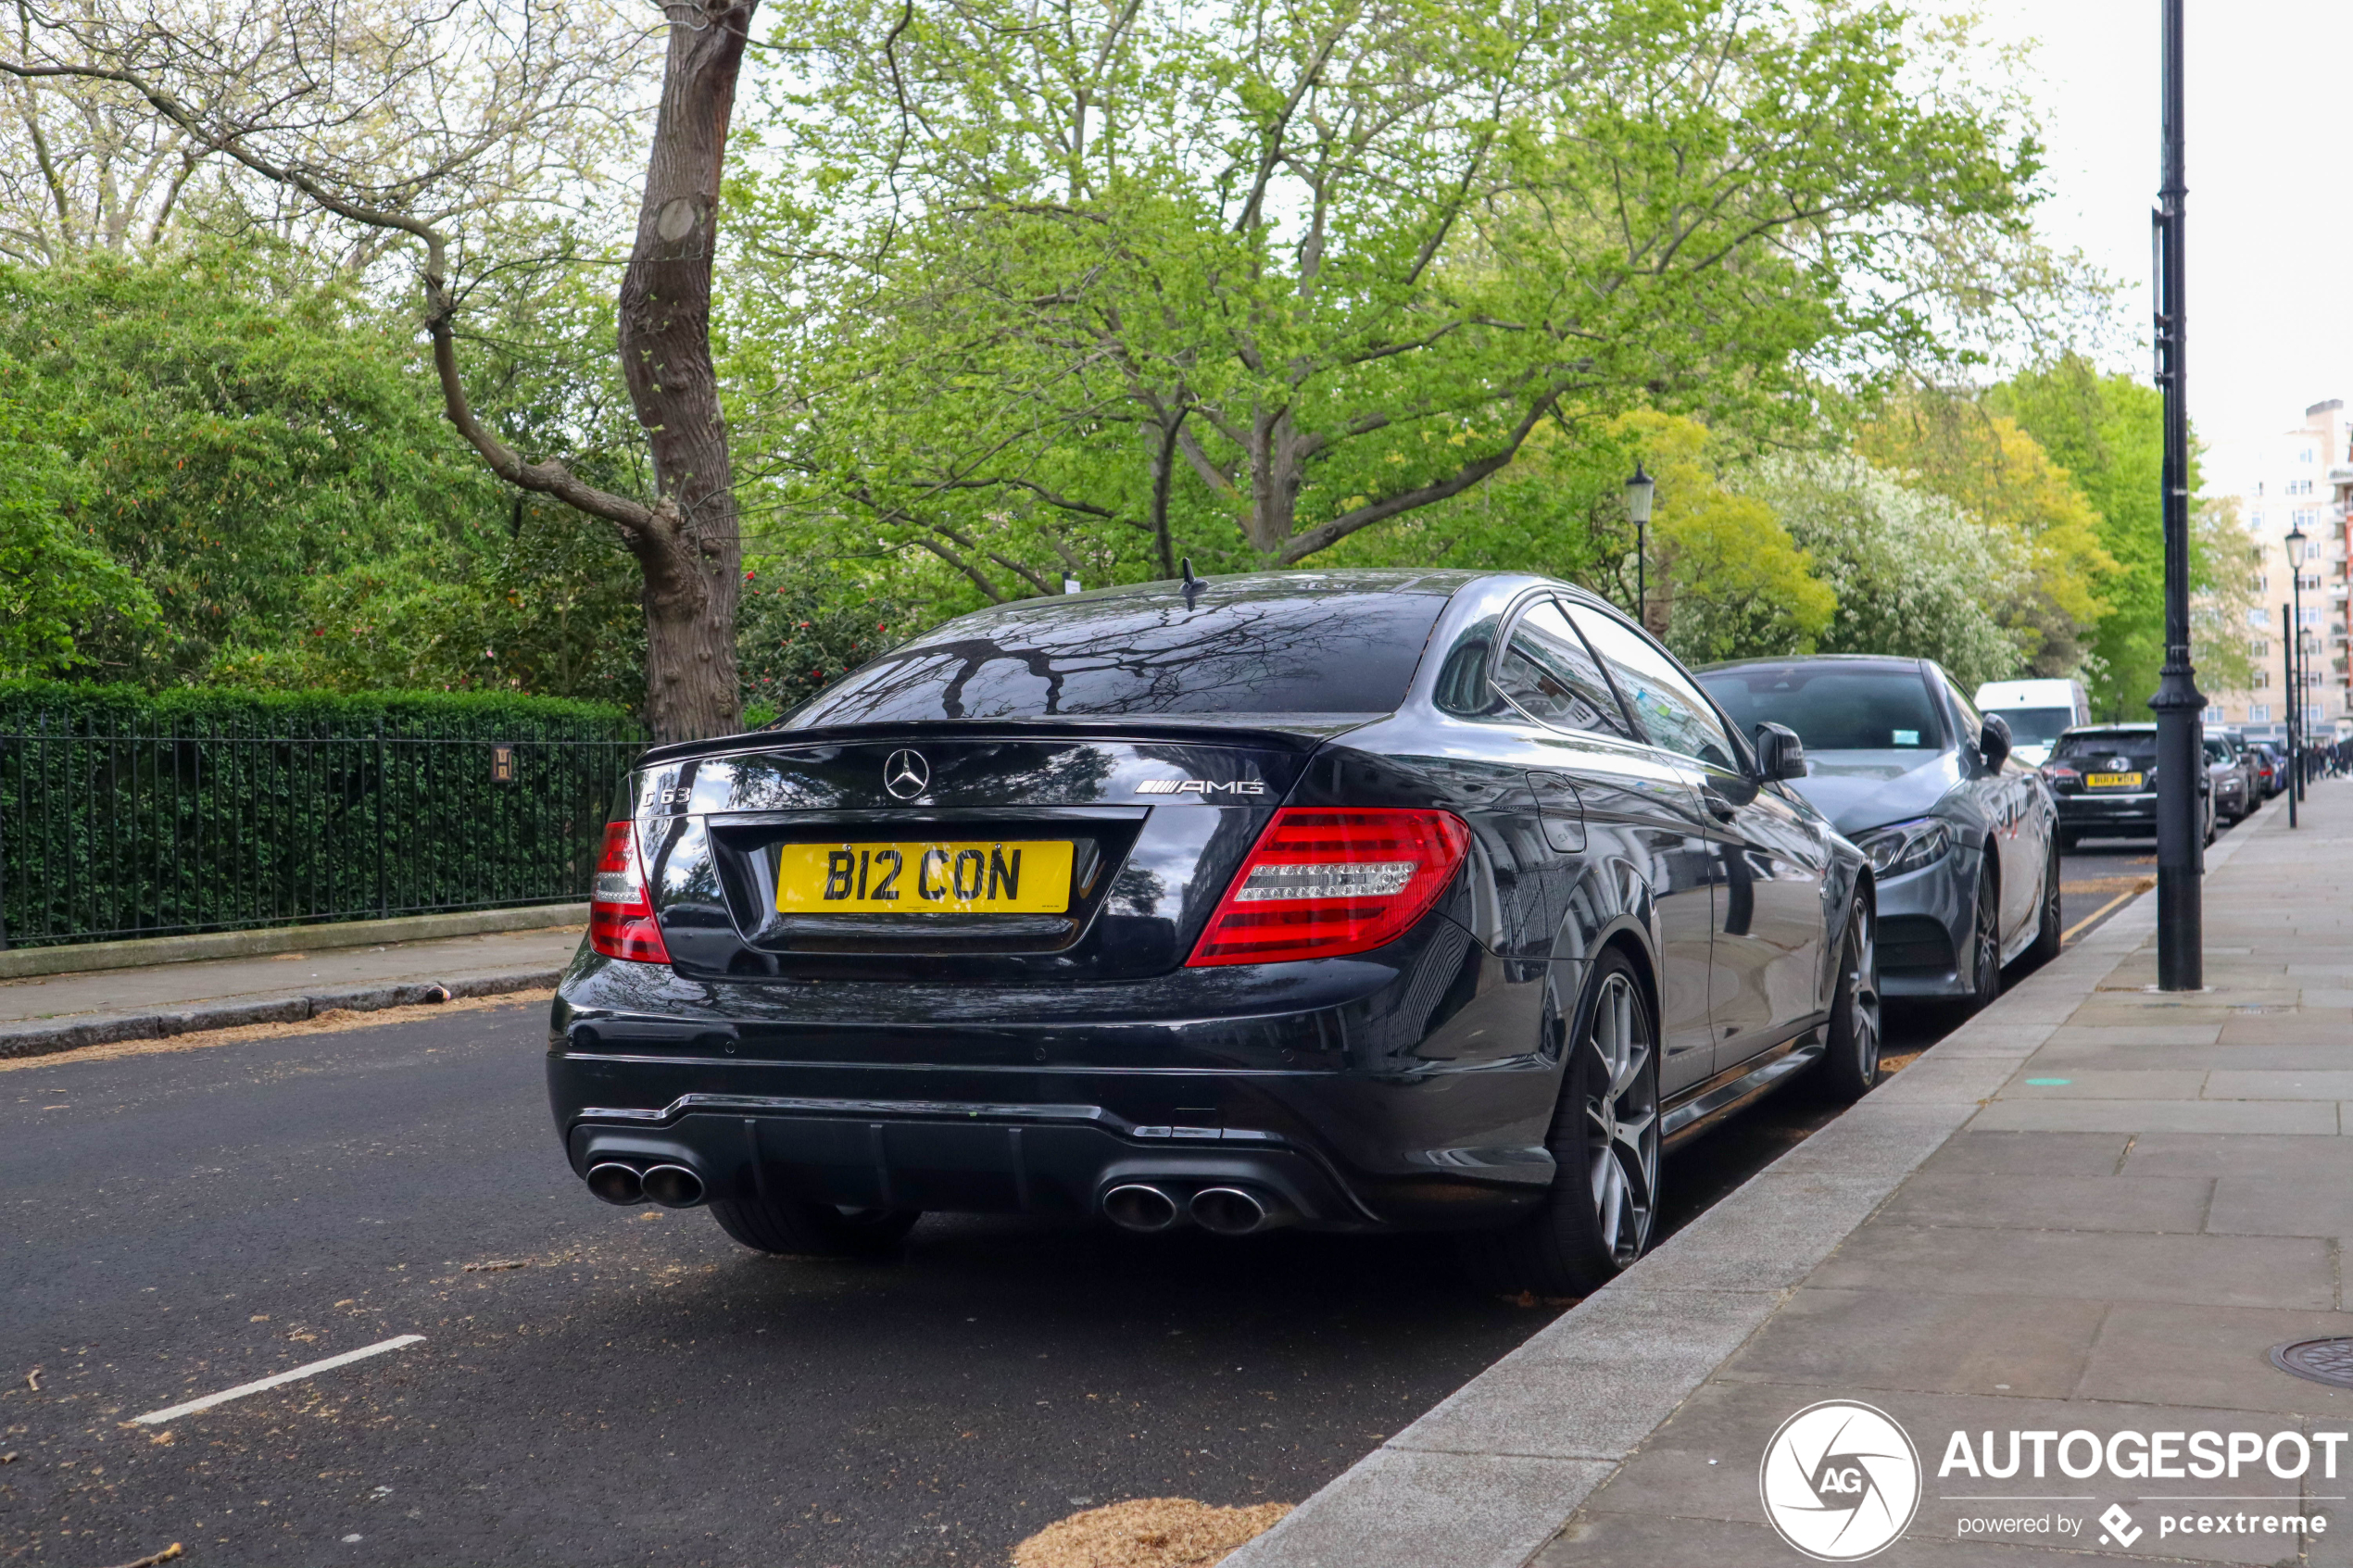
column 1200, row 786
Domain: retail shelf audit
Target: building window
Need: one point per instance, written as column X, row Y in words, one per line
column 2298, row 487
column 2262, row 680
column 2259, row 616
column 2260, row 648
column 2258, row 713
column 2307, row 517
column 2214, row 714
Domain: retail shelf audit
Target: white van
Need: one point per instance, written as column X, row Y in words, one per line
column 2036, row 712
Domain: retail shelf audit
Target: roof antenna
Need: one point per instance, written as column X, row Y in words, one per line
column 1192, row 583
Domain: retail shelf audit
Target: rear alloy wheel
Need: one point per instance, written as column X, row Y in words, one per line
column 1850, row 1062
column 2048, row 930
column 1985, row 941
column 1596, row 1220
column 813, row 1230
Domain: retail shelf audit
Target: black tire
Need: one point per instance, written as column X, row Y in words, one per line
column 2067, row 841
column 1985, row 941
column 813, row 1230
column 1598, row 1217
column 2050, row 929
column 1849, row 1067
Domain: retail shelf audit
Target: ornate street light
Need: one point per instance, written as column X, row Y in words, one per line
column 1639, row 492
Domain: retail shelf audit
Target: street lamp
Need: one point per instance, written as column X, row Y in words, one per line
column 2181, row 756
column 2296, row 667
column 1639, row 492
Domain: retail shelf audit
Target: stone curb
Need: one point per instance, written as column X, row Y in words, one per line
column 23, row 963
column 50, row 1038
column 1489, row 1475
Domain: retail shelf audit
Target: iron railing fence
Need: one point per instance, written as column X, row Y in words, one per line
column 114, row 833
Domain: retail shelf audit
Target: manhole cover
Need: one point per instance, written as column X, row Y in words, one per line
column 2320, row 1360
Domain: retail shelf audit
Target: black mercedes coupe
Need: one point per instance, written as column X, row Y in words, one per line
column 1354, row 900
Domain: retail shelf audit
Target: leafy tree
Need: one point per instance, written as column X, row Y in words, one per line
column 2107, row 430
column 1039, row 271
column 1960, row 447
column 53, row 577
column 1914, row 573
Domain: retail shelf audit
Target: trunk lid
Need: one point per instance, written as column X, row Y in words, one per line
column 1004, row 852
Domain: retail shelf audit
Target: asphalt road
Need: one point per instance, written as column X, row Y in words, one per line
column 598, row 1385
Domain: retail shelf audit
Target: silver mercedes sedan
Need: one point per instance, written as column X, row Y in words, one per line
column 1963, row 837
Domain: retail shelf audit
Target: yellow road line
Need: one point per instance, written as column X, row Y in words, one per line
column 2071, row 932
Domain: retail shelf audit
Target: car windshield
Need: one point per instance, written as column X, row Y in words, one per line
column 2034, row 726
column 1301, row 642
column 1832, row 707
column 2217, row 751
column 2101, row 752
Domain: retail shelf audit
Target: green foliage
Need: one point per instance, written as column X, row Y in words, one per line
column 1155, row 281
column 1914, row 573
column 59, row 706
column 266, row 466
column 2107, row 431
column 53, row 576
column 803, row 624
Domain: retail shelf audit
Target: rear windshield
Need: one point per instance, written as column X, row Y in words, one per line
column 1303, row 643
column 2100, row 752
column 1833, row 708
column 2032, row 726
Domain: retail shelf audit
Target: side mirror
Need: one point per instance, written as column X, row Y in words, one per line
column 1994, row 740
column 1779, row 754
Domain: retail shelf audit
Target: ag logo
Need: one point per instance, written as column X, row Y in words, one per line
column 1840, row 1481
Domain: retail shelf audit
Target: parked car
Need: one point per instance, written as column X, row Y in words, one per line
column 2226, row 783
column 2037, row 713
column 1962, row 838
column 2238, row 786
column 2270, row 769
column 2105, row 779
column 1357, row 901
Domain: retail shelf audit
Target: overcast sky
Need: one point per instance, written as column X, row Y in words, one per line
column 2271, row 206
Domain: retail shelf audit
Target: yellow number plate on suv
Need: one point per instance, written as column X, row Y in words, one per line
column 925, row 877
column 2112, row 781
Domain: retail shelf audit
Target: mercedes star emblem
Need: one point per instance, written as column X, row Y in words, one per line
column 906, row 774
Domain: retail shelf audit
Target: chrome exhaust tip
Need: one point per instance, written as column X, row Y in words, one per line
column 1139, row 1207
column 1229, row 1211
column 674, row 1187
column 616, row 1183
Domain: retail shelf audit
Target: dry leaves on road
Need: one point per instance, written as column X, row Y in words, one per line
column 1147, row 1532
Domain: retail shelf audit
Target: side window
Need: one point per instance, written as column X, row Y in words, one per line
column 1549, row 675
column 1671, row 707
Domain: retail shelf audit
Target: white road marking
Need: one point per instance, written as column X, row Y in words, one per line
column 157, row 1418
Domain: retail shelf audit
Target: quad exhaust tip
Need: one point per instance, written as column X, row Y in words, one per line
column 616, row 1183
column 674, row 1187
column 1136, row 1207
column 1229, row 1211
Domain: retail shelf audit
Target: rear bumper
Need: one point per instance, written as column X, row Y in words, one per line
column 2123, row 814
column 1406, row 1089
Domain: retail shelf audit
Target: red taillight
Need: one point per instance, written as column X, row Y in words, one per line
column 1324, row 881
column 621, row 918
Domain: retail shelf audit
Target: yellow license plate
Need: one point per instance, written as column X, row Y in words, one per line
column 2113, row 781
column 925, row 877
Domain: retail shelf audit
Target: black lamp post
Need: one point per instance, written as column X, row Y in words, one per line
column 2178, row 703
column 1639, row 492
column 2298, row 675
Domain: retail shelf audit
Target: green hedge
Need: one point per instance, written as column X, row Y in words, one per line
column 64, row 705
column 130, row 813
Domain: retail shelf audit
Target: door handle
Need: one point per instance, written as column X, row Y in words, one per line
column 1718, row 807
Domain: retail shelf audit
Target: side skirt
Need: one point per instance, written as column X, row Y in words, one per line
column 1701, row 1107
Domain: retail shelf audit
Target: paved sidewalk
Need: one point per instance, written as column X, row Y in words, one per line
column 65, row 1012
column 2095, row 1209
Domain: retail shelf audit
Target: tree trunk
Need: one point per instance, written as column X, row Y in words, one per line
column 692, row 557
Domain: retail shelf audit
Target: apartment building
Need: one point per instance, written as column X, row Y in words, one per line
column 2304, row 481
